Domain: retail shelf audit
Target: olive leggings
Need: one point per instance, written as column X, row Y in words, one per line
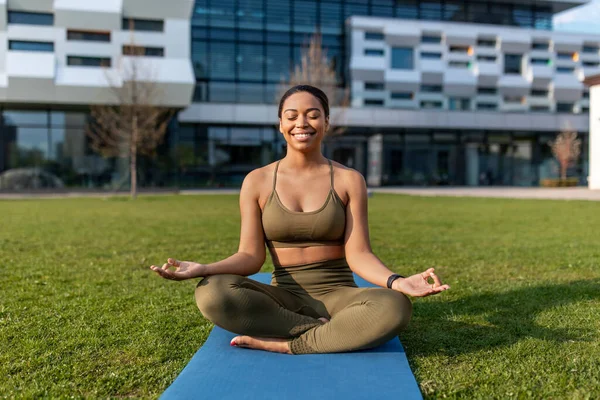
column 290, row 306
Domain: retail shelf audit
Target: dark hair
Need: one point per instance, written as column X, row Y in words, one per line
column 318, row 93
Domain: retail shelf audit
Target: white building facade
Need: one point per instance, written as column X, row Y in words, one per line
column 57, row 57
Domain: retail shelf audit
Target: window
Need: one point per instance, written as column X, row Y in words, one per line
column 513, row 99
column 402, row 58
column 431, row 39
column 540, row 46
column 564, row 107
column 487, row 106
column 585, row 110
column 512, row 63
column 88, row 36
column 373, row 36
column 486, row 42
column 459, row 64
column 373, row 52
column 30, row 18
column 540, row 61
column 30, row 46
column 373, row 86
column 539, row 109
column 431, row 88
column 589, row 49
column 565, row 70
column 427, row 55
column 487, row 90
column 88, row 61
column 143, row 24
column 402, row 95
column 486, row 58
column 539, row 93
column 459, row 103
column 564, row 56
column 431, row 104
column 459, row 49
column 129, row 50
column 373, row 102
column 591, row 64
column 586, row 94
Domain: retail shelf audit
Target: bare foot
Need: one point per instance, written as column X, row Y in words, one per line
column 267, row 344
column 325, row 320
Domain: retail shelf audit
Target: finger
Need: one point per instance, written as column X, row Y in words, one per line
column 436, row 280
column 165, row 267
column 164, row 273
column 173, row 262
column 440, row 289
column 427, row 273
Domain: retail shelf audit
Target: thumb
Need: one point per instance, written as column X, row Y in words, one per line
column 173, row 262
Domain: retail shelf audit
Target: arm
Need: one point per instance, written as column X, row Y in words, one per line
column 358, row 251
column 251, row 252
column 360, row 257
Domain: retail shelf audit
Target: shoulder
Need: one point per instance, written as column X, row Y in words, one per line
column 257, row 180
column 350, row 180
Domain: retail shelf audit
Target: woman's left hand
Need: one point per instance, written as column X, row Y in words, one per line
column 418, row 285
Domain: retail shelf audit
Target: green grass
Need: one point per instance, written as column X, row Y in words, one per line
column 82, row 315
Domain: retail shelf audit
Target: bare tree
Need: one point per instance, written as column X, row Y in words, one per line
column 317, row 70
column 135, row 123
column 566, row 149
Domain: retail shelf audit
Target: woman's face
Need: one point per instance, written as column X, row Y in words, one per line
column 303, row 123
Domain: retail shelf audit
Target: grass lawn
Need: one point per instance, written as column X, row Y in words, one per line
column 81, row 314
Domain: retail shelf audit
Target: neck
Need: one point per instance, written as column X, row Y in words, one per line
column 304, row 161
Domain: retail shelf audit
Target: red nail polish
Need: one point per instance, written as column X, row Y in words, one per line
column 233, row 343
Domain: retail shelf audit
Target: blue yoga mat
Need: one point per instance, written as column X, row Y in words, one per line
column 220, row 371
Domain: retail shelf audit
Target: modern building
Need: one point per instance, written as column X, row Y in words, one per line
column 442, row 92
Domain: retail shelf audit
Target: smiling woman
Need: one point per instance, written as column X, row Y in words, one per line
column 317, row 238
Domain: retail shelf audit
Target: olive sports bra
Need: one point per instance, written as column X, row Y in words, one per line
column 287, row 228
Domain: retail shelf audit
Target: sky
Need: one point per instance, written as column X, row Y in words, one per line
column 584, row 19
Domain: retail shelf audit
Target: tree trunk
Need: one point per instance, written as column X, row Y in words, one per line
column 563, row 171
column 133, row 163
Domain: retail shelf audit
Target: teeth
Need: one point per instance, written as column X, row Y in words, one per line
column 303, row 135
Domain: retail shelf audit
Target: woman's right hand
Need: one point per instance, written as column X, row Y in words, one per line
column 183, row 270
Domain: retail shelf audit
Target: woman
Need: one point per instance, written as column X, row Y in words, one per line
column 312, row 304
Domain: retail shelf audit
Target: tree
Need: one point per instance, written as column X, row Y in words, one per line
column 566, row 149
column 317, row 70
column 135, row 123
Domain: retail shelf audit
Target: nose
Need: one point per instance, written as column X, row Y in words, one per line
column 300, row 122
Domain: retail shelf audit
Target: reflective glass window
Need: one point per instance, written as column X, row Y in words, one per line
column 251, row 93
column 136, row 24
column 382, row 8
column 305, row 15
column 222, row 13
column 222, row 34
column 278, row 37
column 278, row 63
column 374, row 36
column 407, row 9
column 250, row 35
column 222, row 92
column 222, row 60
column 82, row 61
column 200, row 58
column 278, row 15
column 331, row 18
column 200, row 13
column 402, row 58
column 455, row 10
column 28, row 118
column 30, row 18
column 250, row 14
column 351, row 9
column 512, row 63
column 250, row 62
column 430, row 10
column 23, row 45
column 90, row 36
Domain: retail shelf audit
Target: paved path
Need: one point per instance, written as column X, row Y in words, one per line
column 578, row 193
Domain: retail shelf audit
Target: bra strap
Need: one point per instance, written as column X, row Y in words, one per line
column 275, row 174
column 331, row 172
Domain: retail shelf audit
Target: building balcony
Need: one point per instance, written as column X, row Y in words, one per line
column 566, row 88
column 487, row 73
column 460, row 82
column 567, row 43
column 514, row 42
column 432, row 71
column 402, row 80
column 30, row 76
column 539, row 75
column 455, row 36
column 90, row 15
column 368, row 68
column 513, row 85
column 401, row 35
